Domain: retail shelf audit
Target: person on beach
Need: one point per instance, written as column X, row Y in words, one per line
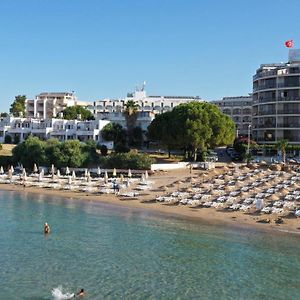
column 46, row 228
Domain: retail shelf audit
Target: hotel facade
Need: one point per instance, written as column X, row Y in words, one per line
column 276, row 101
column 239, row 109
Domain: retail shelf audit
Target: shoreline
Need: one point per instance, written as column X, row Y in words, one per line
column 207, row 216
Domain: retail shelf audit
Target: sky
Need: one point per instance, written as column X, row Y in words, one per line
column 105, row 48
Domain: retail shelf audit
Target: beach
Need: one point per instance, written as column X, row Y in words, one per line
column 166, row 183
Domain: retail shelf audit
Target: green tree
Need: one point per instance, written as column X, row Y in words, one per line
column 131, row 114
column 162, row 129
column 282, row 145
column 71, row 113
column 3, row 115
column 18, row 106
column 114, row 132
column 195, row 126
column 31, row 151
column 137, row 136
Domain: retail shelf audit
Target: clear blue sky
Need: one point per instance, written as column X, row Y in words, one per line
column 104, row 48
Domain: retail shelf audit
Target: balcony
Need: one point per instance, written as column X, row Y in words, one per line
column 289, row 111
column 265, row 74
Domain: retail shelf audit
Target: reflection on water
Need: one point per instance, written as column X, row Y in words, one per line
column 116, row 252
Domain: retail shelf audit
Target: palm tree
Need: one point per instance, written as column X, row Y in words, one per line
column 282, row 145
column 131, row 110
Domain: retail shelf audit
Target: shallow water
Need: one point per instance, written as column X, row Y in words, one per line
column 115, row 252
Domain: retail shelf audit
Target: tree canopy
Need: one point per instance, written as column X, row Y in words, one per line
column 17, row 108
column 195, row 125
column 71, row 113
column 131, row 113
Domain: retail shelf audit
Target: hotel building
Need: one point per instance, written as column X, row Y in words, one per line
column 276, row 101
column 48, row 105
column 239, row 109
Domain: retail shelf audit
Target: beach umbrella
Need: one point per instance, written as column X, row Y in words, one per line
column 58, row 173
column 114, row 172
column 129, row 173
column 35, row 168
column 88, row 177
column 122, row 178
column 73, row 175
column 24, row 175
column 127, row 182
column 52, row 170
column 143, row 178
column 85, row 172
column 9, row 174
column 99, row 171
column 1, row 170
column 40, row 177
column 105, row 177
column 69, row 180
column 259, row 204
column 42, row 172
column 12, row 169
column 67, row 171
column 146, row 175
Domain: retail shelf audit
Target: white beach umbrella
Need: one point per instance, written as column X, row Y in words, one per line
column 128, row 182
column 122, row 178
column 67, row 171
column 35, row 168
column 1, row 170
column 73, row 175
column 42, row 172
column 12, row 169
column 114, row 172
column 88, row 177
column 105, row 177
column 52, row 169
column 58, row 173
column 129, row 173
column 69, row 180
column 40, row 177
column 85, row 173
column 143, row 178
column 9, row 174
column 146, row 175
column 99, row 171
column 24, row 175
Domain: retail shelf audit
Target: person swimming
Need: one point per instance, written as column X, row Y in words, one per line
column 46, row 228
column 81, row 293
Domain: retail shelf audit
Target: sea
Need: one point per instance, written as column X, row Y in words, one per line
column 123, row 253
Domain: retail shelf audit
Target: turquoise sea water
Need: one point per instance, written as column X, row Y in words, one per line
column 119, row 253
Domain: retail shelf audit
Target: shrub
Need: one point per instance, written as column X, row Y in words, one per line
column 121, row 148
column 16, row 139
column 127, row 161
column 103, row 150
column 7, row 139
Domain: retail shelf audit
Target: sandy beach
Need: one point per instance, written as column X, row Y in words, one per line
column 168, row 182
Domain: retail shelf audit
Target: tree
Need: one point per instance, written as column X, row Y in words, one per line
column 137, row 136
column 193, row 126
column 18, row 106
column 282, row 145
column 8, row 139
column 131, row 113
column 3, row 115
column 72, row 112
column 114, row 132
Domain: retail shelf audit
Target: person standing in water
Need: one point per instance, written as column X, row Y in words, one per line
column 46, row 228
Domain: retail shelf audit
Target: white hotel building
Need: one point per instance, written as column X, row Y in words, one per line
column 148, row 107
column 20, row 128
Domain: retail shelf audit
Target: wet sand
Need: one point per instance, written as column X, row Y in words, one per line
column 146, row 201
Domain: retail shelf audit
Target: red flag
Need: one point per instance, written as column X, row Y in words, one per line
column 289, row 43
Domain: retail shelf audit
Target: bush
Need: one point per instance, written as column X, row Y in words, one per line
column 127, row 161
column 103, row 150
column 16, row 139
column 121, row 148
column 7, row 139
column 6, row 161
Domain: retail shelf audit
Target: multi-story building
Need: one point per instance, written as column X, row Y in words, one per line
column 48, row 105
column 20, row 128
column 276, row 101
column 239, row 109
column 148, row 107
